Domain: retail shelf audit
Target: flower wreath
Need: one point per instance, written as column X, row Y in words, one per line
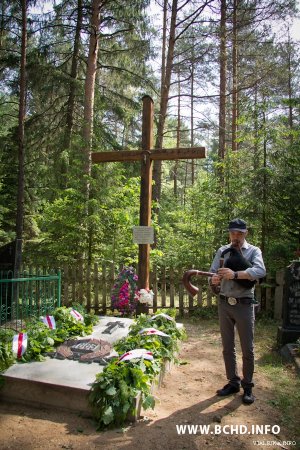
column 124, row 296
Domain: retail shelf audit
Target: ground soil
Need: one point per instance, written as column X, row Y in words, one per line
column 186, row 397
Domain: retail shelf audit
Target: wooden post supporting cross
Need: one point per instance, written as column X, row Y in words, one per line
column 147, row 155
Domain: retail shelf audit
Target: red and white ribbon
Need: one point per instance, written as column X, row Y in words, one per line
column 137, row 353
column 76, row 314
column 19, row 344
column 49, row 321
column 149, row 331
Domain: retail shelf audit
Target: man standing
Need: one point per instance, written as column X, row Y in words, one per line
column 238, row 266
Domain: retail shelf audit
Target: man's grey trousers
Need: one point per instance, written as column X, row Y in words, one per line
column 241, row 317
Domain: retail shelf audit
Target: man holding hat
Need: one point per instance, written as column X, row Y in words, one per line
column 237, row 266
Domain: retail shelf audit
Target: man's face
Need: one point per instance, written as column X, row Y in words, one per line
column 237, row 238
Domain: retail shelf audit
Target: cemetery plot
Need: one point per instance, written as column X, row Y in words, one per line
column 65, row 382
column 62, row 381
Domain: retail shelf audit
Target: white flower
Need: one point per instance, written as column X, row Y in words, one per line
column 146, row 296
column 50, row 341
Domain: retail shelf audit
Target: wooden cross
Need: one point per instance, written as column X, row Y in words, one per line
column 147, row 155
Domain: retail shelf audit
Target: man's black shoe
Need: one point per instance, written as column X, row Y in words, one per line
column 248, row 397
column 227, row 390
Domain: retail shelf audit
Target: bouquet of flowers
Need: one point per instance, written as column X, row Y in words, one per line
column 124, row 296
column 146, row 296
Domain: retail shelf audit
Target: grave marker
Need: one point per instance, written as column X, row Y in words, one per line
column 113, row 326
column 290, row 329
column 147, row 155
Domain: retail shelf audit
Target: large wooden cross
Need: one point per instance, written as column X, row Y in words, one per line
column 147, row 155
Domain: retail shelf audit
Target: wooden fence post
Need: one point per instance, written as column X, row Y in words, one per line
column 65, row 301
column 96, row 289
column 269, row 293
column 88, row 288
column 103, row 278
column 191, row 302
column 154, row 288
column 209, row 298
column 172, row 288
column 73, row 282
column 80, row 281
column 200, row 295
column 278, row 294
column 163, row 287
column 258, row 295
column 181, row 304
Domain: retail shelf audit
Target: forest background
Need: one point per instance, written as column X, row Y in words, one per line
column 223, row 74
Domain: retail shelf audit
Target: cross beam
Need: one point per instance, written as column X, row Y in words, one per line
column 146, row 156
column 155, row 154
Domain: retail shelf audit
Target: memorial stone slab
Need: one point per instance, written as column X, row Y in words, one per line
column 290, row 330
column 64, row 383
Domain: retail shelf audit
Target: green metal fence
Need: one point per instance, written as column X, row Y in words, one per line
column 28, row 295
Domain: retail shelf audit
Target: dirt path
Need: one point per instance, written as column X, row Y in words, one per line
column 187, row 397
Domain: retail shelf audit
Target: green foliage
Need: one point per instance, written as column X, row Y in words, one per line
column 207, row 312
column 161, row 347
column 88, row 318
column 114, row 393
column 64, row 228
column 42, row 339
column 6, row 354
column 187, row 232
column 172, row 312
column 67, row 325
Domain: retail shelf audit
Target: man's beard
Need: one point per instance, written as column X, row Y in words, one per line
column 236, row 243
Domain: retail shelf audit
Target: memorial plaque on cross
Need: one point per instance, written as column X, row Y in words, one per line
column 147, row 155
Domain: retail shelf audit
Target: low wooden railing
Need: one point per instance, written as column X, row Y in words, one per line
column 92, row 285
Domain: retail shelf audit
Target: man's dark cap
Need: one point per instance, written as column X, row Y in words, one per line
column 237, row 225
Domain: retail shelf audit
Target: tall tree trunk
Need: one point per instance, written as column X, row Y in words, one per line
column 74, row 76
column 63, row 163
column 89, row 93
column 220, row 172
column 290, row 89
column 21, row 144
column 2, row 24
column 256, row 155
column 223, row 73
column 192, row 112
column 234, row 144
column 175, row 169
column 164, row 46
column 265, row 190
column 166, row 80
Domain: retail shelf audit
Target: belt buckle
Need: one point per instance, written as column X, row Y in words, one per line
column 232, row 301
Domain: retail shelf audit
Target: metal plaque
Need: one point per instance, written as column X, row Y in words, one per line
column 143, row 235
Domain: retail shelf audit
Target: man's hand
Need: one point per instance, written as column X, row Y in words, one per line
column 215, row 280
column 225, row 273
